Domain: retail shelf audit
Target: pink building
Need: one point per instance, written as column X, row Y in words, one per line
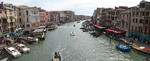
column 44, row 17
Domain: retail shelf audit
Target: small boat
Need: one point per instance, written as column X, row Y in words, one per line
column 52, row 27
column 141, row 49
column 78, row 21
column 82, row 27
column 123, row 48
column 29, row 40
column 56, row 57
column 39, row 34
column 13, row 51
column 74, row 25
column 22, row 48
column 72, row 34
column 43, row 27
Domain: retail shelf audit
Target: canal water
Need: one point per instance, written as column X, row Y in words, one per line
column 81, row 47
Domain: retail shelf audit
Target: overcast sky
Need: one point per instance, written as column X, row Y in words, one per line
column 85, row 7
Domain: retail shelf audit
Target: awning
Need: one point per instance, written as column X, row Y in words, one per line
column 18, row 34
column 101, row 27
column 140, row 35
column 18, row 29
column 10, row 40
column 2, row 35
column 91, row 22
column 114, row 31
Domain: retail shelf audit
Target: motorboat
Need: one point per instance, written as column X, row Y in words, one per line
column 52, row 27
column 29, row 40
column 82, row 27
column 22, row 48
column 72, row 34
column 78, row 21
column 142, row 49
column 42, row 27
column 56, row 57
column 13, row 51
column 74, row 25
column 123, row 48
column 39, row 34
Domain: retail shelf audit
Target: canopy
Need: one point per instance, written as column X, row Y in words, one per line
column 91, row 22
column 18, row 29
column 114, row 31
column 101, row 27
column 18, row 34
column 10, row 40
column 2, row 35
column 140, row 35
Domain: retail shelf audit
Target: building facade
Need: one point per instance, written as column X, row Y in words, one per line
column 44, row 17
column 140, row 21
column 28, row 17
column 11, row 17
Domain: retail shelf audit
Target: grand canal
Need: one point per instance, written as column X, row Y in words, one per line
column 82, row 47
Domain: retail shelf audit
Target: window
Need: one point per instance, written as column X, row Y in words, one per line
column 137, row 13
column 11, row 23
column 20, row 20
column 146, row 21
column 0, row 11
column 145, row 30
column 11, row 18
column 133, row 20
column 27, row 12
column 142, row 5
column 27, row 19
column 10, row 12
column 135, row 29
column 136, row 20
column 133, row 13
column 140, row 29
column 5, row 12
column 141, row 21
column 19, row 13
column 147, row 13
column 132, row 28
column 143, row 14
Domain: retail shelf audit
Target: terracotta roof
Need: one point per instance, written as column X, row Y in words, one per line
column 22, row 6
column 136, row 6
column 120, row 9
column 7, row 4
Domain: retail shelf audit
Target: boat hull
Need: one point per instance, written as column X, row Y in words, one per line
column 123, row 48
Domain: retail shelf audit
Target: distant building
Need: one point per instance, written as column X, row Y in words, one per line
column 29, row 17
column 63, row 17
column 11, row 17
column 3, row 19
column 44, row 17
column 140, row 21
column 70, row 15
column 124, row 20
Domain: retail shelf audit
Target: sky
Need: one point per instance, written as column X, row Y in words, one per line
column 80, row 7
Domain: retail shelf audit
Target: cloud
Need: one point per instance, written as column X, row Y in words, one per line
column 79, row 6
column 18, row 2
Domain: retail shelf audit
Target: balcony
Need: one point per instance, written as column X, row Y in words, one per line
column 3, row 16
column 146, row 25
column 4, row 21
